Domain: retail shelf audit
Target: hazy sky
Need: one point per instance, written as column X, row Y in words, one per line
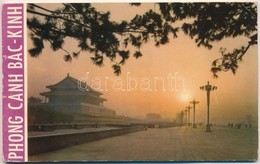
column 235, row 97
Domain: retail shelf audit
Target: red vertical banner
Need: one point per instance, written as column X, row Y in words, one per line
column 13, row 82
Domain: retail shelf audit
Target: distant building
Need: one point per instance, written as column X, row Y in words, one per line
column 66, row 98
column 153, row 116
column 67, row 92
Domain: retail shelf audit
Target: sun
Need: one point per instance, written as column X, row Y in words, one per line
column 185, row 96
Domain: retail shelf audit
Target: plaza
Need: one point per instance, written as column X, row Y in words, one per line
column 166, row 144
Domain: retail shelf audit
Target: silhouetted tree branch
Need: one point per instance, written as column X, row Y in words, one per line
column 95, row 33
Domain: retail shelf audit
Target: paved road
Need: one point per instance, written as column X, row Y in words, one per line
column 167, row 144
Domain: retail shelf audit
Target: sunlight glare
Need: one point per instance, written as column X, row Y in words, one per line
column 185, row 96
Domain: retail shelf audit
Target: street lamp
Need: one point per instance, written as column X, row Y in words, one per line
column 208, row 88
column 182, row 114
column 194, row 102
column 188, row 109
column 185, row 112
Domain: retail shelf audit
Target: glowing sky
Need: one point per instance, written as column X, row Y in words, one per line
column 235, row 97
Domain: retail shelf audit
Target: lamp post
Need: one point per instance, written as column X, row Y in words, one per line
column 194, row 102
column 208, row 88
column 188, row 109
column 182, row 114
column 185, row 112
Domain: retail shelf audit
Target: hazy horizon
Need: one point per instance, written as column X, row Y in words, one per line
column 236, row 96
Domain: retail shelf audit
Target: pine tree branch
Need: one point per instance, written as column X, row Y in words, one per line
column 56, row 17
column 34, row 5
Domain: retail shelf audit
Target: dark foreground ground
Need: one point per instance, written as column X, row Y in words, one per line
column 166, row 144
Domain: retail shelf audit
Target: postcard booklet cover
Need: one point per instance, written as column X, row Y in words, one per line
column 122, row 81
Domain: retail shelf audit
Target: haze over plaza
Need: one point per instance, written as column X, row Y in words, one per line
column 235, row 98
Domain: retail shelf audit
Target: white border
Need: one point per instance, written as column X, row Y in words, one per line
column 25, row 85
column 119, row 1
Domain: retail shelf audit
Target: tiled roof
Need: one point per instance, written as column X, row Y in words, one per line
column 71, row 83
column 71, row 93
